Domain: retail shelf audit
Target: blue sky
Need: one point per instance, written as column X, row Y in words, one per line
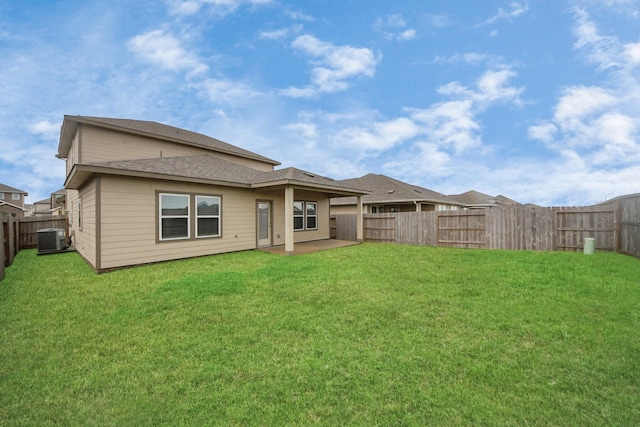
column 535, row 100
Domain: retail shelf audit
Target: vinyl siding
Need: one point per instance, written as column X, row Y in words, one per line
column 84, row 238
column 74, row 152
column 104, row 145
column 129, row 234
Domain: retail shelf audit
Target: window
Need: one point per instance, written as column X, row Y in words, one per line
column 15, row 196
column 1, row 195
column 312, row 216
column 207, row 216
column 298, row 215
column 393, row 209
column 174, row 216
column 305, row 216
column 177, row 222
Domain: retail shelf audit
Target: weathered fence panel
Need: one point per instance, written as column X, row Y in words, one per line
column 462, row 229
column 416, row 228
column 629, row 225
column 380, row 228
column 29, row 228
column 573, row 225
column 343, row 227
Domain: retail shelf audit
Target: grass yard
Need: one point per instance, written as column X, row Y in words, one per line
column 364, row 335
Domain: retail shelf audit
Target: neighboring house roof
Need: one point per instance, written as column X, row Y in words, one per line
column 505, row 200
column 153, row 130
column 474, row 198
column 209, row 170
column 388, row 190
column 3, row 203
column 7, row 189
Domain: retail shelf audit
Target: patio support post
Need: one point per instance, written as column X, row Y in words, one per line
column 359, row 221
column 288, row 221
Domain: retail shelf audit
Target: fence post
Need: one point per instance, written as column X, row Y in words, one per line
column 11, row 251
column 3, row 221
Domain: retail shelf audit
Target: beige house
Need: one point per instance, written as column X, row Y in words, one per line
column 140, row 192
column 12, row 201
column 388, row 195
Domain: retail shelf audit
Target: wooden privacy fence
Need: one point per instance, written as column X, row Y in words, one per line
column 615, row 227
column 22, row 233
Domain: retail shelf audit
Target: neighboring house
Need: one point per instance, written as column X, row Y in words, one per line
column 140, row 192
column 54, row 205
column 476, row 200
column 41, row 207
column 391, row 195
column 12, row 201
column 59, row 202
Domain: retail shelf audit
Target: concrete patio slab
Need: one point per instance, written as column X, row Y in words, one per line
column 310, row 247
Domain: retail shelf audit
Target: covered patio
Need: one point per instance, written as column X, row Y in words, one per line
column 310, row 247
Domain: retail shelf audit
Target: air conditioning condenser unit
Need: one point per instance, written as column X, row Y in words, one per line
column 51, row 240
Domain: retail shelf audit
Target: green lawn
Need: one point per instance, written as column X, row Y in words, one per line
column 364, row 335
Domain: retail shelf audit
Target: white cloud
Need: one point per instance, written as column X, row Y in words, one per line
column 333, row 66
column 217, row 7
column 378, row 136
column 299, row 16
column 46, row 129
column 165, row 51
column 394, row 27
column 514, row 10
column 281, row 33
column 423, row 159
column 450, row 124
column 228, row 92
column 579, row 101
column 544, row 132
column 437, row 20
column 307, row 131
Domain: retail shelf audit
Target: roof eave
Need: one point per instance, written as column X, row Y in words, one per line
column 324, row 188
column 81, row 173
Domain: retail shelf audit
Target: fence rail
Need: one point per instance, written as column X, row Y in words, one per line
column 615, row 227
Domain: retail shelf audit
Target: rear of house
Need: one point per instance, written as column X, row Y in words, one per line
column 141, row 192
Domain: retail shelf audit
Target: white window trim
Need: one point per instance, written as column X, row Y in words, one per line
column 161, row 217
column 15, row 196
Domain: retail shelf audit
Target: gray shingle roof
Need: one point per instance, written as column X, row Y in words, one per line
column 386, row 190
column 211, row 168
column 7, row 189
column 154, row 130
column 473, row 197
